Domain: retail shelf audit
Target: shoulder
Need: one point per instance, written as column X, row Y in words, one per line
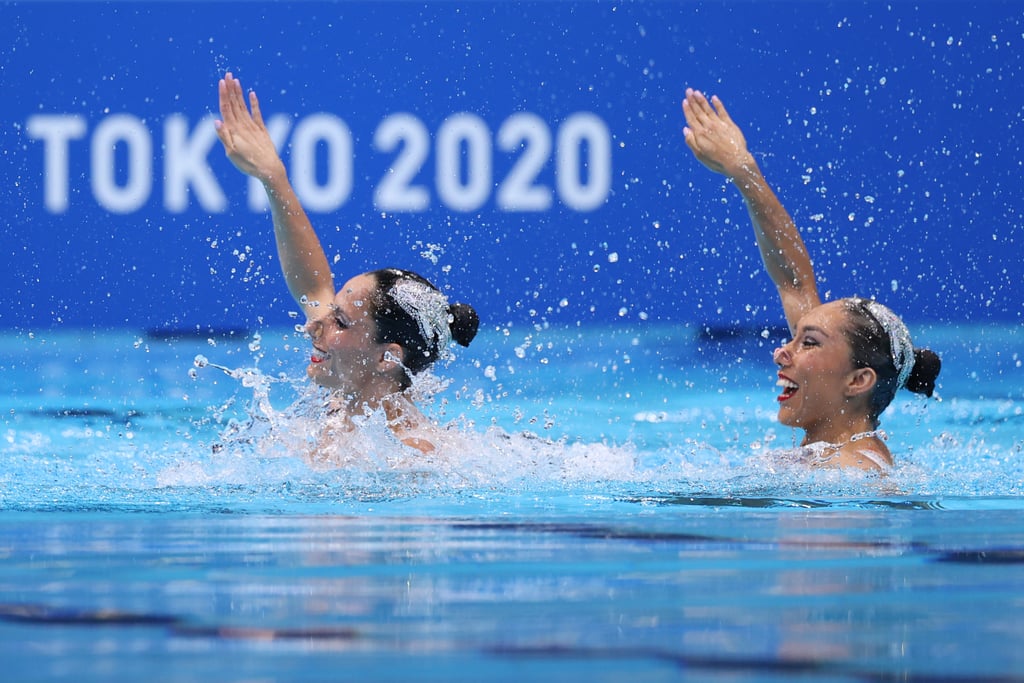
column 410, row 425
column 869, row 453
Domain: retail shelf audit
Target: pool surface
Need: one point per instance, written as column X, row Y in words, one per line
column 610, row 510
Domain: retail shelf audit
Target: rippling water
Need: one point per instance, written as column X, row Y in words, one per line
column 115, row 418
column 605, row 505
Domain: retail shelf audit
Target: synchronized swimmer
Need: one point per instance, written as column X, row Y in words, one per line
column 380, row 328
column 846, row 360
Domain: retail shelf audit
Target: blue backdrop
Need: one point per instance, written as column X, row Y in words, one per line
column 526, row 156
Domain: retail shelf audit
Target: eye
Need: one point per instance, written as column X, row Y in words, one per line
column 340, row 318
column 809, row 341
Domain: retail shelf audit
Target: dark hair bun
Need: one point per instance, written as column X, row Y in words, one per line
column 926, row 370
column 465, row 322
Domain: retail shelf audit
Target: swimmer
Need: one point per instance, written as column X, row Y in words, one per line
column 847, row 358
column 380, row 328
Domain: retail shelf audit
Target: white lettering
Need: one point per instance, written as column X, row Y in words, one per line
column 396, row 191
column 185, row 164
column 322, row 162
column 584, row 133
column 55, row 130
column 130, row 131
column 464, row 136
column 337, row 140
column 519, row 191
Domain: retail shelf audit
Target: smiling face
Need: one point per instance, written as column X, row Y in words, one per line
column 822, row 392
column 347, row 356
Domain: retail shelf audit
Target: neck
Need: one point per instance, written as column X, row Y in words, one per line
column 839, row 433
column 396, row 408
column 402, row 416
column 359, row 403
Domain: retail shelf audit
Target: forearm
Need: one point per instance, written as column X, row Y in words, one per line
column 719, row 144
column 782, row 249
column 303, row 262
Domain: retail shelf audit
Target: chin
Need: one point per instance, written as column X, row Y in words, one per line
column 320, row 376
column 787, row 419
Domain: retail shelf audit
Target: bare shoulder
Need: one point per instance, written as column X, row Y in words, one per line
column 410, row 425
column 869, row 453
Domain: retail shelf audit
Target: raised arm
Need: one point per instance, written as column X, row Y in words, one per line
column 249, row 147
column 718, row 143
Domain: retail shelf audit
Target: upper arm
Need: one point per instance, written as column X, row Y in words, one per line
column 796, row 302
column 317, row 303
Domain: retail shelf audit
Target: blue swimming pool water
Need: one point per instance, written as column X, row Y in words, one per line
column 609, row 510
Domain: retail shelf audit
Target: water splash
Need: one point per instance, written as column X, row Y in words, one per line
column 227, row 434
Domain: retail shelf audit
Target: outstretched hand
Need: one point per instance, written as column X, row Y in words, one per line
column 245, row 138
column 710, row 133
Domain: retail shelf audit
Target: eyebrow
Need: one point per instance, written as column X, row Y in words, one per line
column 336, row 310
column 813, row 328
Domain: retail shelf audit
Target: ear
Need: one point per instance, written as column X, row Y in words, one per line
column 860, row 382
column 392, row 359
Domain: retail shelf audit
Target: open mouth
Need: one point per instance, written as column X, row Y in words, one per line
column 789, row 388
column 318, row 356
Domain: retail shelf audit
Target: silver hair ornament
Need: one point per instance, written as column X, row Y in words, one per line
column 902, row 349
column 429, row 308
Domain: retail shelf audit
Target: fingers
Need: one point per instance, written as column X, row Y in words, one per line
column 695, row 119
column 223, row 127
column 691, row 140
column 224, row 133
column 699, row 109
column 222, row 98
column 233, row 108
column 232, row 103
column 722, row 113
column 688, row 112
column 254, row 104
column 687, row 96
column 225, row 91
